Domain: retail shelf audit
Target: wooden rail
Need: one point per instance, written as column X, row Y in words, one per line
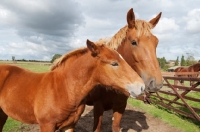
column 177, row 97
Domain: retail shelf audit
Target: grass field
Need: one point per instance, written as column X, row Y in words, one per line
column 32, row 66
column 186, row 125
column 167, row 116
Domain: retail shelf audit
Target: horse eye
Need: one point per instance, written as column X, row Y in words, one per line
column 134, row 43
column 114, row 64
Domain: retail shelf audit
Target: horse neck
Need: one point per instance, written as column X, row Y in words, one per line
column 196, row 67
column 78, row 76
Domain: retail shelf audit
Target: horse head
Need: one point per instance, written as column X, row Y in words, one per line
column 112, row 70
column 139, row 49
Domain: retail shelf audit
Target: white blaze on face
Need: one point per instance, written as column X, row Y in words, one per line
column 120, row 56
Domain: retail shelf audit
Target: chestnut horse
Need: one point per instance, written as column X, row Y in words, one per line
column 137, row 45
column 192, row 68
column 55, row 99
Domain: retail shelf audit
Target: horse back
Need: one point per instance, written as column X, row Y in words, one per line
column 13, row 75
column 178, row 69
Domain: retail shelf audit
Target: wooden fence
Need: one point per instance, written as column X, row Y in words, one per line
column 183, row 99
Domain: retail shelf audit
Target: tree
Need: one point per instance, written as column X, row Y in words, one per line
column 56, row 56
column 190, row 59
column 182, row 61
column 13, row 58
column 162, row 63
column 176, row 62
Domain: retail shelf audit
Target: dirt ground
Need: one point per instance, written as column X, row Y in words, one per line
column 134, row 120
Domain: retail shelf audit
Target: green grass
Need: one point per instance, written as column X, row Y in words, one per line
column 183, row 108
column 32, row 66
column 36, row 68
column 190, row 94
column 11, row 124
column 167, row 116
column 186, row 83
column 194, row 95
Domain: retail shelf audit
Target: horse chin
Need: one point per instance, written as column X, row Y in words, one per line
column 133, row 96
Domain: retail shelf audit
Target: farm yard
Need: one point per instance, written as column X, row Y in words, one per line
column 139, row 70
column 137, row 117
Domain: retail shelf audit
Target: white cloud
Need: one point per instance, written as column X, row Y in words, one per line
column 167, row 3
column 193, row 21
column 38, row 29
column 166, row 25
column 165, row 31
column 164, row 37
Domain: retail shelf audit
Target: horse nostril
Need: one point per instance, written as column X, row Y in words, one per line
column 142, row 88
column 152, row 83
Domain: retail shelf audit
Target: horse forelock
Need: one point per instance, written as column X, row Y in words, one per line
column 64, row 57
column 142, row 28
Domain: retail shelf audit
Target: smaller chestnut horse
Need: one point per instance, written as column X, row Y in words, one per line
column 192, row 68
column 55, row 99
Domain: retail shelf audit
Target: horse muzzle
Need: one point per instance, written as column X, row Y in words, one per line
column 135, row 89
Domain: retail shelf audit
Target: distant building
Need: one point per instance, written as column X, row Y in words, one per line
column 172, row 63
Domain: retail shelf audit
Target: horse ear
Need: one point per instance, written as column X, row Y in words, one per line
column 155, row 20
column 93, row 48
column 131, row 18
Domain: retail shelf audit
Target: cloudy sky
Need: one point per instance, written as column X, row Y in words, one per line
column 38, row 29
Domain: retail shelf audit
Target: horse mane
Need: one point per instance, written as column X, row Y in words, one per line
column 76, row 52
column 64, row 57
column 142, row 28
column 197, row 64
column 196, row 67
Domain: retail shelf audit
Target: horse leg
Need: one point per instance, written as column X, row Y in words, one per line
column 192, row 82
column 65, row 127
column 116, row 122
column 182, row 82
column 117, row 115
column 68, row 130
column 3, row 118
column 47, row 127
column 98, row 114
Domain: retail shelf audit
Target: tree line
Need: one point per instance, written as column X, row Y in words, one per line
column 183, row 62
column 164, row 64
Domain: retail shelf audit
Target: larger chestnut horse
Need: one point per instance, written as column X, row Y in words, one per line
column 192, row 68
column 55, row 99
column 137, row 45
